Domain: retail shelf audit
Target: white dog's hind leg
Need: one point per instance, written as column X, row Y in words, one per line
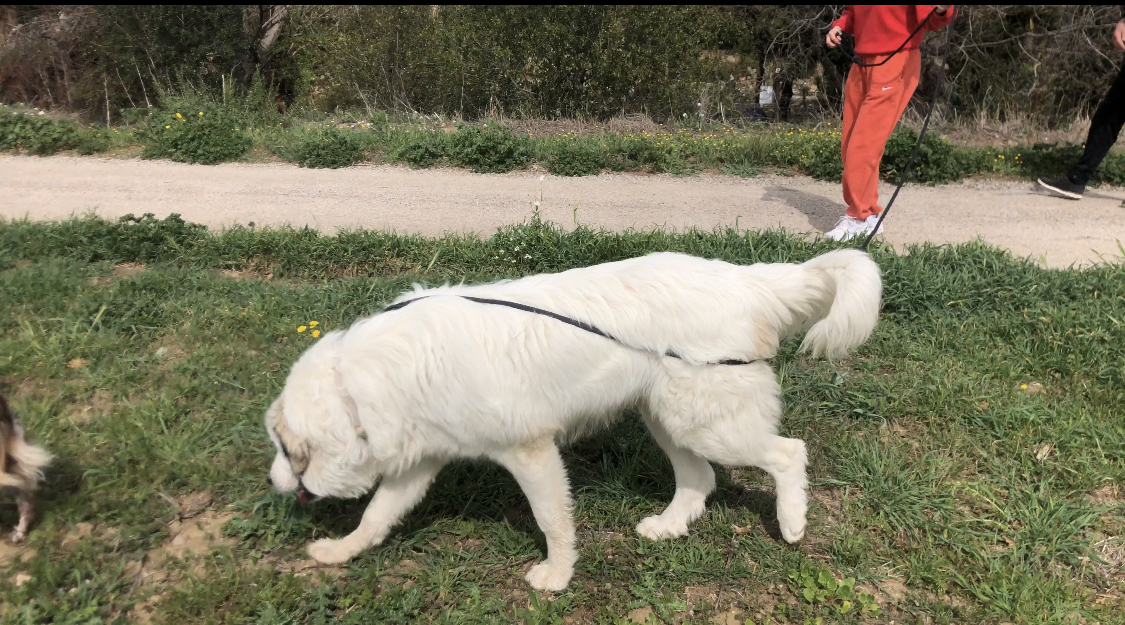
column 695, row 479
column 539, row 469
column 783, row 458
column 395, row 497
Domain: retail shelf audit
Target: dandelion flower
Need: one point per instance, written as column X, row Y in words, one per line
column 1023, row 386
column 167, row 127
column 302, row 329
column 316, row 334
column 201, row 113
column 313, row 324
column 178, row 116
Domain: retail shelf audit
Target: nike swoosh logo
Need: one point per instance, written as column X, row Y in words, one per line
column 885, row 88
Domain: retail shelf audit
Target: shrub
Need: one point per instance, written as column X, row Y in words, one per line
column 329, row 148
column 575, row 158
column 42, row 135
column 937, row 161
column 207, row 137
column 424, row 151
column 490, row 149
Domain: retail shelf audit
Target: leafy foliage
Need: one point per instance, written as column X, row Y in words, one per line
column 42, row 135
column 205, row 137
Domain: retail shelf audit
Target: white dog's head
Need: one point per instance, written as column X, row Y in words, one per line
column 321, row 449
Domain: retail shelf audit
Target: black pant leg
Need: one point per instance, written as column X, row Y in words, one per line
column 1104, row 128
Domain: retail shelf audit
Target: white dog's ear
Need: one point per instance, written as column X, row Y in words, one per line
column 296, row 449
column 349, row 404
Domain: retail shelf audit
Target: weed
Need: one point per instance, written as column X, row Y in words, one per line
column 425, row 151
column 819, row 587
column 206, row 137
column 574, row 158
column 330, row 148
column 490, row 149
column 42, row 136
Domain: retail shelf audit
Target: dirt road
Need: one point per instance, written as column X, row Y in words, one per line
column 435, row 201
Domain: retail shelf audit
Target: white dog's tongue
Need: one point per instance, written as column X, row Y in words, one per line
column 305, row 496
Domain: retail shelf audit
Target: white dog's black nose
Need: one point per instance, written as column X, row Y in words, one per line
column 269, row 480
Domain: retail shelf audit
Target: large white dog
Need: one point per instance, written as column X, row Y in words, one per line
column 400, row 394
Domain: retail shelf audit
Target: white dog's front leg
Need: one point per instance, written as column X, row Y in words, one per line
column 540, row 472
column 395, row 497
column 695, row 479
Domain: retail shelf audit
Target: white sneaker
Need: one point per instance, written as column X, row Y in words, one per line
column 849, row 227
column 870, row 222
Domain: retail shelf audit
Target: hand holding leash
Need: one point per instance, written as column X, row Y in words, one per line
column 836, row 36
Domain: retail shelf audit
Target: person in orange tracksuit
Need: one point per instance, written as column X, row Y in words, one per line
column 875, row 97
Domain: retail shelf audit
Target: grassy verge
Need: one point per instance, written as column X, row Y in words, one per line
column 201, row 132
column 965, row 463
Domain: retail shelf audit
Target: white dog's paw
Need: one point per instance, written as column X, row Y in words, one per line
column 328, row 551
column 544, row 576
column 17, row 537
column 792, row 520
column 660, row 528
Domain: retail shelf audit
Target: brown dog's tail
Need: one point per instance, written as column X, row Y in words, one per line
column 21, row 463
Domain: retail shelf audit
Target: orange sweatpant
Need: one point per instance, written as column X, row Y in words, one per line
column 874, row 99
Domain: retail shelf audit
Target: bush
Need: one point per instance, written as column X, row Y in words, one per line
column 490, row 149
column 937, row 161
column 206, row 137
column 575, row 158
column 42, row 135
column 424, row 151
column 329, row 148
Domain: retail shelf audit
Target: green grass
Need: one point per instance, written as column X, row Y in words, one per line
column 934, row 472
column 178, row 131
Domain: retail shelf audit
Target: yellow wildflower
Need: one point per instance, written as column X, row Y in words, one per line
column 302, row 329
column 313, row 324
column 167, row 127
column 316, row 334
column 201, row 113
column 178, row 116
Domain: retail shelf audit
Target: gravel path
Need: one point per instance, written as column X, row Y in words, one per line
column 436, row 201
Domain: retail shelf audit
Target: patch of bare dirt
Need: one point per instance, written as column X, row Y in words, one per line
column 199, row 535
column 123, row 270
column 126, row 270
column 1110, row 570
column 1110, row 494
column 190, row 505
column 245, row 274
column 99, row 404
column 145, row 613
column 189, row 540
column 76, row 535
column 10, row 553
column 832, row 500
column 641, row 615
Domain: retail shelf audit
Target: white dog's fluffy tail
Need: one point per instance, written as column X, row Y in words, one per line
column 852, row 297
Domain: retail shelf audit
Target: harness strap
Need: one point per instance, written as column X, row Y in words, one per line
column 563, row 318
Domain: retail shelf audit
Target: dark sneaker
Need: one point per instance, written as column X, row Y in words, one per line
column 1063, row 187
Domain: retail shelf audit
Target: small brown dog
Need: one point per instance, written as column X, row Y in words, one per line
column 21, row 467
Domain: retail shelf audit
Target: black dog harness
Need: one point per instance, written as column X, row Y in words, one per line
column 567, row 320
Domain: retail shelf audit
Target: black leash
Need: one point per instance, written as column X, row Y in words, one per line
column 563, row 318
column 925, row 125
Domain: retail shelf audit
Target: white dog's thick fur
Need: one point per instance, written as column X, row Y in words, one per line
column 401, row 393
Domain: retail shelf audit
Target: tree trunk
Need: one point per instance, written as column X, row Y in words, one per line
column 264, row 22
